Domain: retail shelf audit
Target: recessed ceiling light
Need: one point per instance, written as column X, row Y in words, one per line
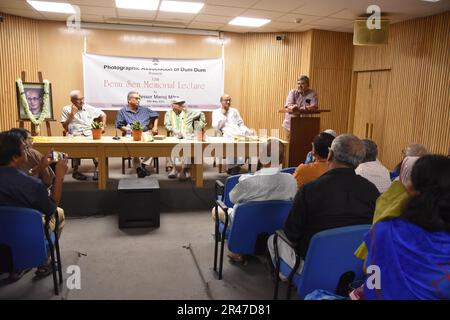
column 248, row 22
column 57, row 7
column 149, row 5
column 181, row 6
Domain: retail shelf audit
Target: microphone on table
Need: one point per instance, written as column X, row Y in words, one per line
column 116, row 137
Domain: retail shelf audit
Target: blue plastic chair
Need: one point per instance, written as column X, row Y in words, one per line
column 223, row 190
column 251, row 220
column 330, row 259
column 289, row 170
column 22, row 231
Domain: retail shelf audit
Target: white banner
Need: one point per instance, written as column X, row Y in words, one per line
column 107, row 81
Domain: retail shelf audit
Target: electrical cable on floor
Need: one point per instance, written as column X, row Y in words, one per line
column 205, row 283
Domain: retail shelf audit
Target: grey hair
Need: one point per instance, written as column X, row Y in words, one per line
column 348, row 150
column 304, row 78
column 74, row 94
column 416, row 150
column 130, row 93
column 331, row 131
column 371, row 150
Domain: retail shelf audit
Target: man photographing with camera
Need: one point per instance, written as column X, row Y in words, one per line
column 19, row 189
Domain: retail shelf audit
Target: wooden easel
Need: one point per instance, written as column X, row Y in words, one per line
column 33, row 126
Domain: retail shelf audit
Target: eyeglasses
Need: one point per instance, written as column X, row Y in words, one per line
column 33, row 99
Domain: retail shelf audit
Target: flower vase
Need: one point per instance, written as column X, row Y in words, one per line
column 137, row 135
column 96, row 134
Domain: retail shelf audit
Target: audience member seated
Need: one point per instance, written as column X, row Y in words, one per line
column 392, row 203
column 148, row 118
column 338, row 198
column 32, row 163
column 309, row 156
column 311, row 171
column 20, row 190
column 229, row 122
column 181, row 122
column 76, row 119
column 266, row 184
column 412, row 150
column 372, row 169
column 412, row 252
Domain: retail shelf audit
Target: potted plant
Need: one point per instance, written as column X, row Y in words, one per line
column 199, row 126
column 137, row 129
column 97, row 128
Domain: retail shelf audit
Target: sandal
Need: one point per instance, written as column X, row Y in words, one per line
column 237, row 258
column 17, row 275
column 44, row 270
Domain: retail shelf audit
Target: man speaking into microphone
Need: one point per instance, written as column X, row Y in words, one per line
column 302, row 98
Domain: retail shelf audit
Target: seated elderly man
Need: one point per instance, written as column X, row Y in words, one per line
column 338, row 198
column 76, row 119
column 228, row 121
column 372, row 169
column 412, row 150
column 134, row 112
column 311, row 171
column 268, row 183
column 181, row 122
column 20, row 190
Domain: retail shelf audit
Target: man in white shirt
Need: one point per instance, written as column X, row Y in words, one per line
column 229, row 122
column 266, row 184
column 372, row 169
column 78, row 117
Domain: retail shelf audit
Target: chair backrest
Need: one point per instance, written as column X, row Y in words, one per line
column 289, row 170
column 254, row 218
column 229, row 185
column 330, row 255
column 22, row 230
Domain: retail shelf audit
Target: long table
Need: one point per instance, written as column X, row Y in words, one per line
column 106, row 147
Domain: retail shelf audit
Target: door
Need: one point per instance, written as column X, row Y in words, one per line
column 370, row 106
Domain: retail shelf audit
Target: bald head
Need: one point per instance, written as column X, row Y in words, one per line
column 225, row 101
column 75, row 94
column 415, row 150
column 347, row 150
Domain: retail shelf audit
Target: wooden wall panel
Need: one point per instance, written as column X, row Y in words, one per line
column 331, row 73
column 418, row 98
column 270, row 70
column 18, row 52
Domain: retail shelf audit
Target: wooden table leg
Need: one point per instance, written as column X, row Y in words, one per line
column 198, row 175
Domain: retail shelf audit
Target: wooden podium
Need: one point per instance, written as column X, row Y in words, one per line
column 305, row 126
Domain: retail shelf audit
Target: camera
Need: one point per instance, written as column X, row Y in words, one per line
column 279, row 37
column 56, row 156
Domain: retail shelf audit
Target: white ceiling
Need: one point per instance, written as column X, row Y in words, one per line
column 334, row 15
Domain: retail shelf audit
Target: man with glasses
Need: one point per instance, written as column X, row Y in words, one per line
column 302, row 99
column 78, row 117
column 149, row 120
column 34, row 99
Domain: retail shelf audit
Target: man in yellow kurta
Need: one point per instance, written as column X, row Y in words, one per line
column 182, row 122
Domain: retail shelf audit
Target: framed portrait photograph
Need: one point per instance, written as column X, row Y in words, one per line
column 34, row 94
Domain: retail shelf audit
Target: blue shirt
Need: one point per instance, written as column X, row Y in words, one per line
column 126, row 116
column 20, row 190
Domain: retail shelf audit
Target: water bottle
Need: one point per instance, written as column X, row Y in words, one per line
column 128, row 133
column 70, row 130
